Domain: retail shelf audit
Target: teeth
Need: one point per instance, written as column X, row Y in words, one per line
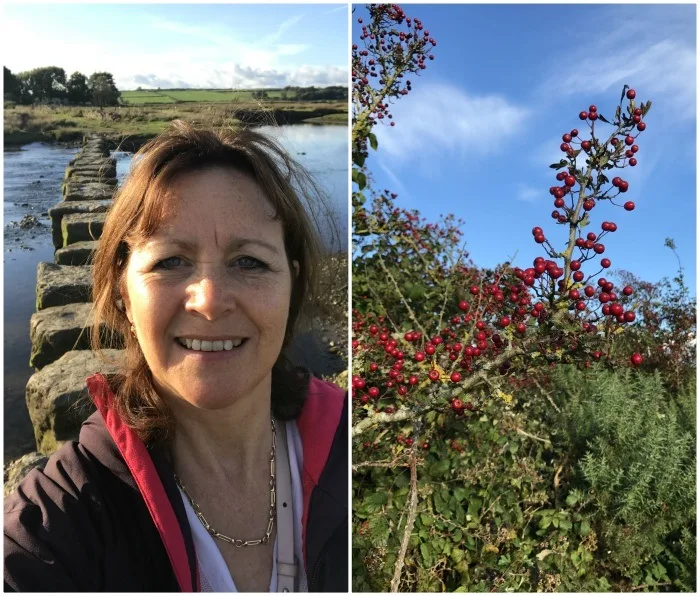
column 210, row 346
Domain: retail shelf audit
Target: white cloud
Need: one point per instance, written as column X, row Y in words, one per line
column 397, row 187
column 653, row 50
column 440, row 117
column 529, row 194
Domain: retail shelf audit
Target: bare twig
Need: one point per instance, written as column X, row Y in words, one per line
column 412, row 507
column 520, row 431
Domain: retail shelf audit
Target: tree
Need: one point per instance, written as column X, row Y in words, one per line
column 12, row 85
column 104, row 91
column 45, row 83
column 77, row 88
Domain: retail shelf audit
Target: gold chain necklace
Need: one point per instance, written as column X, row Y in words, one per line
column 237, row 541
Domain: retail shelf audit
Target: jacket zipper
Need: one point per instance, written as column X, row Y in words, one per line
column 314, row 574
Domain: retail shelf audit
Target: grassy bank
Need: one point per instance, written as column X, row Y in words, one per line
column 25, row 124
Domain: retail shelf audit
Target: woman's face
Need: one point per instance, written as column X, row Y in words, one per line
column 209, row 294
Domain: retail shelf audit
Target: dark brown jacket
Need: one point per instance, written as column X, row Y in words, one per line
column 105, row 513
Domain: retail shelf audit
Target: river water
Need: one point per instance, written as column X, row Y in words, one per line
column 32, row 185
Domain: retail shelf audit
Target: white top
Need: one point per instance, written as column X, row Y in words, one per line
column 214, row 575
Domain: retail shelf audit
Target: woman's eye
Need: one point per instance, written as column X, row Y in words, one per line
column 250, row 263
column 169, row 263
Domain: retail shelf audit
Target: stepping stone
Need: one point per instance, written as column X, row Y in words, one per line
column 78, row 253
column 71, row 207
column 90, row 160
column 57, row 285
column 101, row 171
column 77, row 227
column 90, row 191
column 16, row 470
column 60, row 329
column 90, row 176
column 58, row 399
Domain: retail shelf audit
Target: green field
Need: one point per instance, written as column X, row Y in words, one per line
column 196, row 95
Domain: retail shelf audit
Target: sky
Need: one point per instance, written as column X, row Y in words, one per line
column 183, row 45
column 484, row 121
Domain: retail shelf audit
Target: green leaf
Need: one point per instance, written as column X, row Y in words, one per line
column 603, row 118
column 439, row 468
column 376, row 499
column 427, row 554
column 457, row 555
column 585, row 528
column 572, row 499
column 373, row 141
column 360, row 160
column 562, row 164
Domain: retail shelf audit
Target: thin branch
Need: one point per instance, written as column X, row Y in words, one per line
column 412, row 507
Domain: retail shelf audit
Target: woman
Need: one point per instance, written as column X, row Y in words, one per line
column 211, row 464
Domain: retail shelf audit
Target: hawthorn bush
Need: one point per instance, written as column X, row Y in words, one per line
column 470, row 469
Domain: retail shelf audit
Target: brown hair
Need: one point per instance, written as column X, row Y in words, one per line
column 138, row 210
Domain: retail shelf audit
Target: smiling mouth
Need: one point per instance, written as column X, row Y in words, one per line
column 203, row 345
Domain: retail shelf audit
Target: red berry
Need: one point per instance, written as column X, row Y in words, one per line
column 605, row 263
column 374, row 330
column 575, row 265
column 433, row 375
column 474, row 290
column 402, row 390
column 463, row 305
column 578, row 275
column 629, row 140
column 539, row 238
column 636, row 359
column 591, row 236
column 430, row 349
column 559, row 203
column 588, row 204
column 585, row 145
column 629, row 316
column 634, row 148
column 570, row 181
column 566, row 137
column 637, row 111
column 589, row 291
column 413, row 380
column 592, row 109
column 574, row 294
column 419, row 357
column 641, row 126
column 624, row 185
column 574, row 132
column 373, row 391
column 629, row 206
column 593, row 116
column 504, row 322
column 599, row 249
column 565, row 147
column 581, row 305
column 436, row 341
column 627, row 291
column 633, row 162
column 455, row 377
column 616, row 181
column 521, row 328
column 631, row 94
column 583, row 115
column 457, row 405
column 597, row 354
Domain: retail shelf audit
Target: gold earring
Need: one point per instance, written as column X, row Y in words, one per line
column 133, row 331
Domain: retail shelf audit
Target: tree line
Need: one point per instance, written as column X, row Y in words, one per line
column 49, row 83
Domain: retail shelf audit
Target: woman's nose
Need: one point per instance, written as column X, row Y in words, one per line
column 210, row 296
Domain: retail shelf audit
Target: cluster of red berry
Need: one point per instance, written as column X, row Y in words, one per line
column 384, row 47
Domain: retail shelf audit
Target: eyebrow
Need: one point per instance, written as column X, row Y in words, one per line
column 233, row 245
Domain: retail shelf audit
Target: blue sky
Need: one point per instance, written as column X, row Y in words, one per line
column 183, row 45
column 476, row 135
